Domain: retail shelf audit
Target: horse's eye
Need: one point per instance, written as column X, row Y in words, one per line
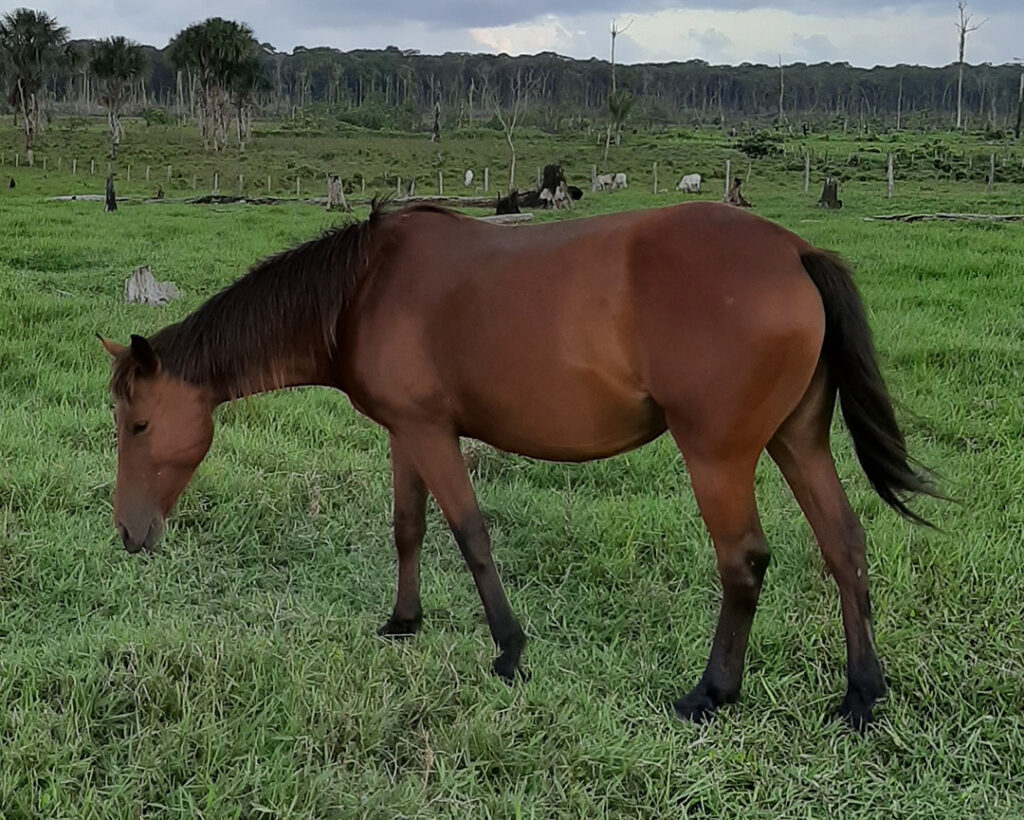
column 139, row 427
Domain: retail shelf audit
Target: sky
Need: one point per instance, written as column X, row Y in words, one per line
column 861, row 32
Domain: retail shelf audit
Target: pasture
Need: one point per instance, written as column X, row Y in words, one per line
column 238, row 673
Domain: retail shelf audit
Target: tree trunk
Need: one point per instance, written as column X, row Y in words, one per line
column 114, row 121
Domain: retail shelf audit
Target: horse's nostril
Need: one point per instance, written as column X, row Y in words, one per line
column 126, row 539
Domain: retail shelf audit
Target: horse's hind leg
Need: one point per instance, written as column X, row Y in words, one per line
column 801, row 449
column 724, row 488
column 410, row 498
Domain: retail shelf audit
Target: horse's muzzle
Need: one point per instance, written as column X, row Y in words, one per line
column 147, row 543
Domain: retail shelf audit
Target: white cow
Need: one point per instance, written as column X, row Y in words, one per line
column 619, row 181
column 602, row 182
column 467, row 180
column 689, row 184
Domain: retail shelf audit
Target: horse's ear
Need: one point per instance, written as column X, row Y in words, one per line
column 113, row 348
column 144, row 356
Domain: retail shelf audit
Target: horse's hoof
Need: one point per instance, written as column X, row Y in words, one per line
column 695, row 707
column 401, row 627
column 854, row 712
column 508, row 670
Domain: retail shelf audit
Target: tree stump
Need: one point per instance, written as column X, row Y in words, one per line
column 335, row 194
column 141, row 288
column 111, row 200
column 830, row 195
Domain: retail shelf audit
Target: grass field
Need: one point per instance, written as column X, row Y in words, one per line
column 238, row 673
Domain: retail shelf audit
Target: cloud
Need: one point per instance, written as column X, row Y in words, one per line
column 816, row 46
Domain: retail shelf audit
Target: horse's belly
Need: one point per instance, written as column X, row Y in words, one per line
column 575, row 422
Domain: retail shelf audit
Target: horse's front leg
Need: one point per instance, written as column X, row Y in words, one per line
column 410, row 496
column 437, row 458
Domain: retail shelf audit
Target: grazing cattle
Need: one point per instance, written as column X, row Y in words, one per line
column 734, row 197
column 619, row 181
column 689, row 184
column 602, row 182
column 11, row 183
column 574, row 192
column 508, row 204
column 467, row 178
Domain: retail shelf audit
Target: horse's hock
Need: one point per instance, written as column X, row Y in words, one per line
column 141, row 288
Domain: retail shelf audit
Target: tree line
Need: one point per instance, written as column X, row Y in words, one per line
column 216, row 74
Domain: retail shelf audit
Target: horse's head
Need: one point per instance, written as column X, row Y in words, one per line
column 164, row 429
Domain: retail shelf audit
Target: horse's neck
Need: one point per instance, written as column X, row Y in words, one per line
column 290, row 369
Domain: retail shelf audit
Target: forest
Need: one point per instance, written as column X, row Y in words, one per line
column 399, row 89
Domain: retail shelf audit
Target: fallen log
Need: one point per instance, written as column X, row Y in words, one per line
column 941, row 217
column 506, row 219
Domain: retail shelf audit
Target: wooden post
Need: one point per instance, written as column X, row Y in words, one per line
column 440, row 184
column 807, row 171
column 268, row 183
column 655, row 177
column 168, row 173
column 889, row 178
column 362, row 183
column 991, row 172
column 216, row 182
column 398, row 186
column 74, row 167
column 728, row 174
column 487, row 179
column 92, row 166
column 241, row 184
column 17, row 160
column 147, row 173
column 298, row 187
column 195, row 181
column 538, row 179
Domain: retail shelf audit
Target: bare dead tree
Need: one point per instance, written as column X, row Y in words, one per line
column 782, row 91
column 613, row 101
column 520, row 86
column 964, row 26
column 1020, row 99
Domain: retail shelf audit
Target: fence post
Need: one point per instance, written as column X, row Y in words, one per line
column 216, row 182
column 889, row 178
column 92, row 166
column 74, row 167
column 728, row 173
column 487, row 178
column 991, row 171
column 440, row 184
column 168, row 173
column 807, row 171
column 655, row 177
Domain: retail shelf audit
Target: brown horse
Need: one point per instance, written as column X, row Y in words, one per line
column 568, row 341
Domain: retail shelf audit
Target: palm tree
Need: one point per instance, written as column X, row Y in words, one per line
column 214, row 50
column 116, row 63
column 31, row 43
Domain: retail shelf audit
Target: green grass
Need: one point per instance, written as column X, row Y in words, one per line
column 238, row 673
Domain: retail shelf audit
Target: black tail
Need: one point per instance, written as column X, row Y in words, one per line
column 867, row 407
